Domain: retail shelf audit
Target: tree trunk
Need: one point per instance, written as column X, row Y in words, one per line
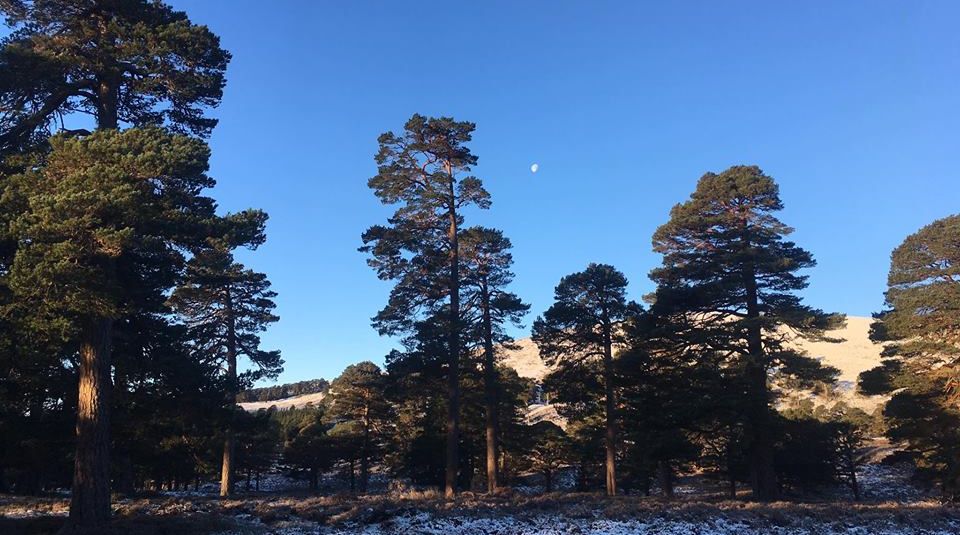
column 226, row 468
column 763, row 476
column 226, row 471
column 353, row 476
column 90, row 496
column 125, row 482
column 490, row 391
column 610, row 401
column 665, row 476
column 854, row 484
column 90, row 501
column 453, row 373
column 365, row 453
column 108, row 95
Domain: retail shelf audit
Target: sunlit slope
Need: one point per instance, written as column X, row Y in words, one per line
column 852, row 356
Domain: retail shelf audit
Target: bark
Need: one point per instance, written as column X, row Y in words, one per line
column 227, row 469
column 665, row 478
column 490, row 392
column 610, row 401
column 353, row 476
column 90, row 500
column 763, row 476
column 126, row 482
column 365, row 454
column 453, row 375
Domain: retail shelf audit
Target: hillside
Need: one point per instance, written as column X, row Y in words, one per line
column 852, row 356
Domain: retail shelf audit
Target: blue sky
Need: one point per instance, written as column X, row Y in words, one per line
column 852, row 106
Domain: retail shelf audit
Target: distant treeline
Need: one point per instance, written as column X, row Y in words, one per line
column 272, row 393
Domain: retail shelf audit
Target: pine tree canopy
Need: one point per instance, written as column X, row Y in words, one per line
column 110, row 194
column 723, row 246
column 226, row 306
column 137, row 62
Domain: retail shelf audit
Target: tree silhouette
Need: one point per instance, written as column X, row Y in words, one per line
column 96, row 200
column 422, row 170
column 919, row 329
column 727, row 287
column 357, row 397
column 585, row 326
column 487, row 262
column 226, row 307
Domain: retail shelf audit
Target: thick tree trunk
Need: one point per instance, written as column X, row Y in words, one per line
column 90, row 500
column 763, row 476
column 227, row 469
column 611, row 403
column 490, row 392
column 126, row 480
column 453, row 373
column 108, row 95
column 90, row 496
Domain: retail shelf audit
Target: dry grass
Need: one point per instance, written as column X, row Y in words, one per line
column 255, row 515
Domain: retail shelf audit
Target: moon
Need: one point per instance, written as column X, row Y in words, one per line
column 534, row 168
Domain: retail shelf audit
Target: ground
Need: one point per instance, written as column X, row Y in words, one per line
column 891, row 506
column 475, row 515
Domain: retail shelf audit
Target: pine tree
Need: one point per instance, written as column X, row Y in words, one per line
column 95, row 200
column 662, row 401
column 583, row 327
column 919, row 329
column 357, row 397
column 226, row 306
column 549, row 450
column 487, row 262
column 306, row 444
column 137, row 63
column 727, row 286
column 424, row 171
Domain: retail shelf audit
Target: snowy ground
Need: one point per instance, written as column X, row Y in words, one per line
column 892, row 506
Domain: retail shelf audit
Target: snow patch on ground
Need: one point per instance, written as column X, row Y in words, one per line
column 549, row 524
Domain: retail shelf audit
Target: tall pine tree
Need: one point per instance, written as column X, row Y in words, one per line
column 728, row 284
column 487, row 259
column 425, row 170
column 94, row 201
column 920, row 328
column 580, row 334
column 136, row 63
column 226, row 306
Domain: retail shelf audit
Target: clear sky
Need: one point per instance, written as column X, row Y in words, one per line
column 852, row 106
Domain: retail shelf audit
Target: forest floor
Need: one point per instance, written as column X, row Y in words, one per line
column 892, row 505
column 469, row 514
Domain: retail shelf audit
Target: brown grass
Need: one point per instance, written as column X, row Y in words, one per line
column 200, row 516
